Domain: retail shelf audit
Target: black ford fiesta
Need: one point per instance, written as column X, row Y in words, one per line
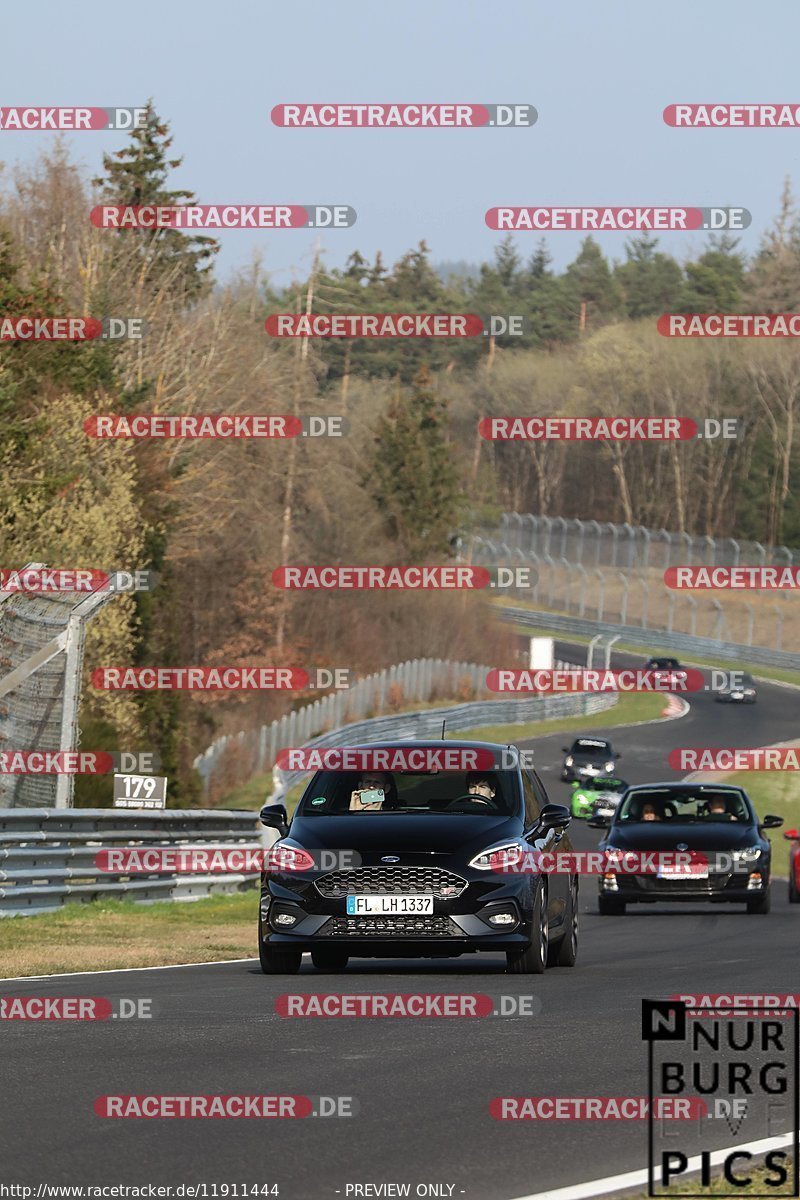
column 414, row 849
column 714, row 822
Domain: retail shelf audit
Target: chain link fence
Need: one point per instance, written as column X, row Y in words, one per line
column 615, row 573
column 41, row 658
column 605, row 544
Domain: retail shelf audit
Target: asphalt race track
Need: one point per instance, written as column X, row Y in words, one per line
column 423, row 1085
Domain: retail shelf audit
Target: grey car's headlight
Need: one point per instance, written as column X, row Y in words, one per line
column 569, row 760
column 609, row 766
column 749, row 854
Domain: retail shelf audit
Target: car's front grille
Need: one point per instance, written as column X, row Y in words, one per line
column 375, row 881
column 391, row 927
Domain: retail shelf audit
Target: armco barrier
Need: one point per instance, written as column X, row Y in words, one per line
column 428, row 722
column 655, row 640
column 47, row 856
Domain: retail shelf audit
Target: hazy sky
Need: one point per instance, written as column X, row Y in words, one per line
column 598, row 73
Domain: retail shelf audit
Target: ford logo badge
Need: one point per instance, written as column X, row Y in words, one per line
column 390, row 858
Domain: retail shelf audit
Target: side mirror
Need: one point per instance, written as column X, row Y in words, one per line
column 553, row 816
column 771, row 822
column 617, row 754
column 575, row 783
column 274, row 816
column 791, row 835
column 565, row 749
column 599, row 822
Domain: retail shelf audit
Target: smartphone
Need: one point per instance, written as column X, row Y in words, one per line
column 372, row 796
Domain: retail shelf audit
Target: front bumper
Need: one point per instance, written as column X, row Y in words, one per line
column 728, row 887
column 456, row 926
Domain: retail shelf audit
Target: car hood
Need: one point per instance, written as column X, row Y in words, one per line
column 376, row 834
column 719, row 836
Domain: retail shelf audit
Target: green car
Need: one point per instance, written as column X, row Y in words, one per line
column 604, row 789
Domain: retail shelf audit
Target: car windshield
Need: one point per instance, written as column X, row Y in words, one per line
column 608, row 785
column 664, row 664
column 590, row 746
column 348, row 793
column 705, row 806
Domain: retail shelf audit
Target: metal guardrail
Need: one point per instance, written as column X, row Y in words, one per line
column 653, row 639
column 48, row 856
column 249, row 752
column 428, row 722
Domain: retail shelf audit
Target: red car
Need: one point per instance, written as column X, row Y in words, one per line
column 792, row 835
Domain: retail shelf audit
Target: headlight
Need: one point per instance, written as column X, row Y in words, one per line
column 286, row 857
column 749, row 854
column 609, row 766
column 508, row 856
column 568, row 761
column 749, row 691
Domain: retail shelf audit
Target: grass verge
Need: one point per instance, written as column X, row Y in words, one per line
column 113, row 934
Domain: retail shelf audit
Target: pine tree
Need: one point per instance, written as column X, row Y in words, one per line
column 651, row 281
column 138, row 174
column 415, row 480
column 714, row 283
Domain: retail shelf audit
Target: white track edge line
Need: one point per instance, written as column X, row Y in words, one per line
column 217, row 962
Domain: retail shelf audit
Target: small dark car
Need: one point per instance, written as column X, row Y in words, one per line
column 738, row 689
column 714, row 821
column 587, row 758
column 666, row 667
column 419, row 867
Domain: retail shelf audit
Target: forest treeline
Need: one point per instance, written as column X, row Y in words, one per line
column 213, row 519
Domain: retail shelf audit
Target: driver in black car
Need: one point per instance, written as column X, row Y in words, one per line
column 481, row 788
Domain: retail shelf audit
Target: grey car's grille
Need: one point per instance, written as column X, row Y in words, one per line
column 391, row 927
column 375, row 881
